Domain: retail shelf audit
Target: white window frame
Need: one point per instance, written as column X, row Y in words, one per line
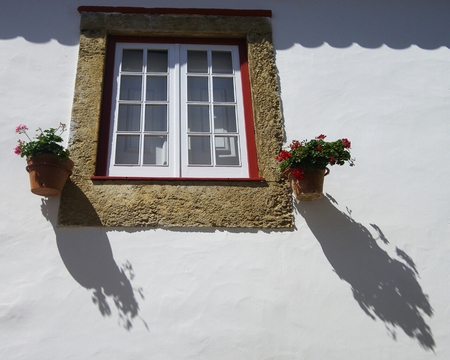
column 177, row 104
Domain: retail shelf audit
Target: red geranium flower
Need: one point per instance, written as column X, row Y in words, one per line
column 283, row 155
column 295, row 145
column 298, row 173
column 315, row 154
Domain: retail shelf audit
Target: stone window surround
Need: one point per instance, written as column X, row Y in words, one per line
column 85, row 201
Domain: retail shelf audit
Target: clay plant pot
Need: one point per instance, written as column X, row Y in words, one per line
column 310, row 187
column 48, row 174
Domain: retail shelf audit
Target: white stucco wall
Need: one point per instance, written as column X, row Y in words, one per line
column 363, row 276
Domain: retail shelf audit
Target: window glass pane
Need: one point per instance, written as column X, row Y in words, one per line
column 221, row 62
column 198, row 118
column 155, row 150
column 156, row 88
column 129, row 118
column 155, row 118
column 223, row 89
column 197, row 61
column 157, row 61
column 130, row 87
column 197, row 88
column 227, row 150
column 199, row 152
column 132, row 60
column 225, row 119
column 127, row 150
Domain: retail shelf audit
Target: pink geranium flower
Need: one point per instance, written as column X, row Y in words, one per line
column 17, row 150
column 47, row 141
column 21, row 128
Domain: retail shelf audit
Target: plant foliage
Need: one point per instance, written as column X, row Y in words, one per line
column 314, row 154
column 46, row 142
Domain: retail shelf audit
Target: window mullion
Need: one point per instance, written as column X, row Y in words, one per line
column 115, row 107
column 143, row 102
column 174, row 125
column 211, row 110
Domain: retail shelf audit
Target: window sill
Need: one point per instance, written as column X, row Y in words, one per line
column 137, row 178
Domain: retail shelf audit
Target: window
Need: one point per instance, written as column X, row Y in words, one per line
column 94, row 198
column 177, row 110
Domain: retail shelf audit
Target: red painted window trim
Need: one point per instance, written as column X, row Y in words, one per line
column 252, row 156
column 177, row 11
column 105, row 118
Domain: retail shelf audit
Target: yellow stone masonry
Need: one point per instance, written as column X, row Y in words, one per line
column 232, row 204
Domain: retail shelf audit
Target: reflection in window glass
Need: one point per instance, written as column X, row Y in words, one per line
column 197, row 88
column 155, row 118
column 157, row 61
column 225, row 119
column 156, row 88
column 132, row 60
column 199, row 152
column 227, row 151
column 130, row 87
column 155, row 150
column 221, row 62
column 223, row 89
column 197, row 61
column 198, row 118
column 127, row 150
column 129, row 118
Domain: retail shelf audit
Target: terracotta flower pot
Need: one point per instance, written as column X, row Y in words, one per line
column 310, row 187
column 48, row 174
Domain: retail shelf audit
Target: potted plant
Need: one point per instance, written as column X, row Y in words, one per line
column 305, row 164
column 48, row 162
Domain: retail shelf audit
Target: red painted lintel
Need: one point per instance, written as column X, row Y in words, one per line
column 176, row 11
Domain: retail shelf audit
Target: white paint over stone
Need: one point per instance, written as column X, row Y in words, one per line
column 377, row 73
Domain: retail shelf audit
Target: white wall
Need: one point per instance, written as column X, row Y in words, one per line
column 364, row 275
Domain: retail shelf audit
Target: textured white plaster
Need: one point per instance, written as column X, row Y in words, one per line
column 346, row 70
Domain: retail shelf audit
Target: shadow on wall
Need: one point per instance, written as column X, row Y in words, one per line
column 384, row 287
column 87, row 255
column 397, row 24
column 40, row 21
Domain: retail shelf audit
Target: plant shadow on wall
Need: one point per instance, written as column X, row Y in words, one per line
column 87, row 255
column 383, row 286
